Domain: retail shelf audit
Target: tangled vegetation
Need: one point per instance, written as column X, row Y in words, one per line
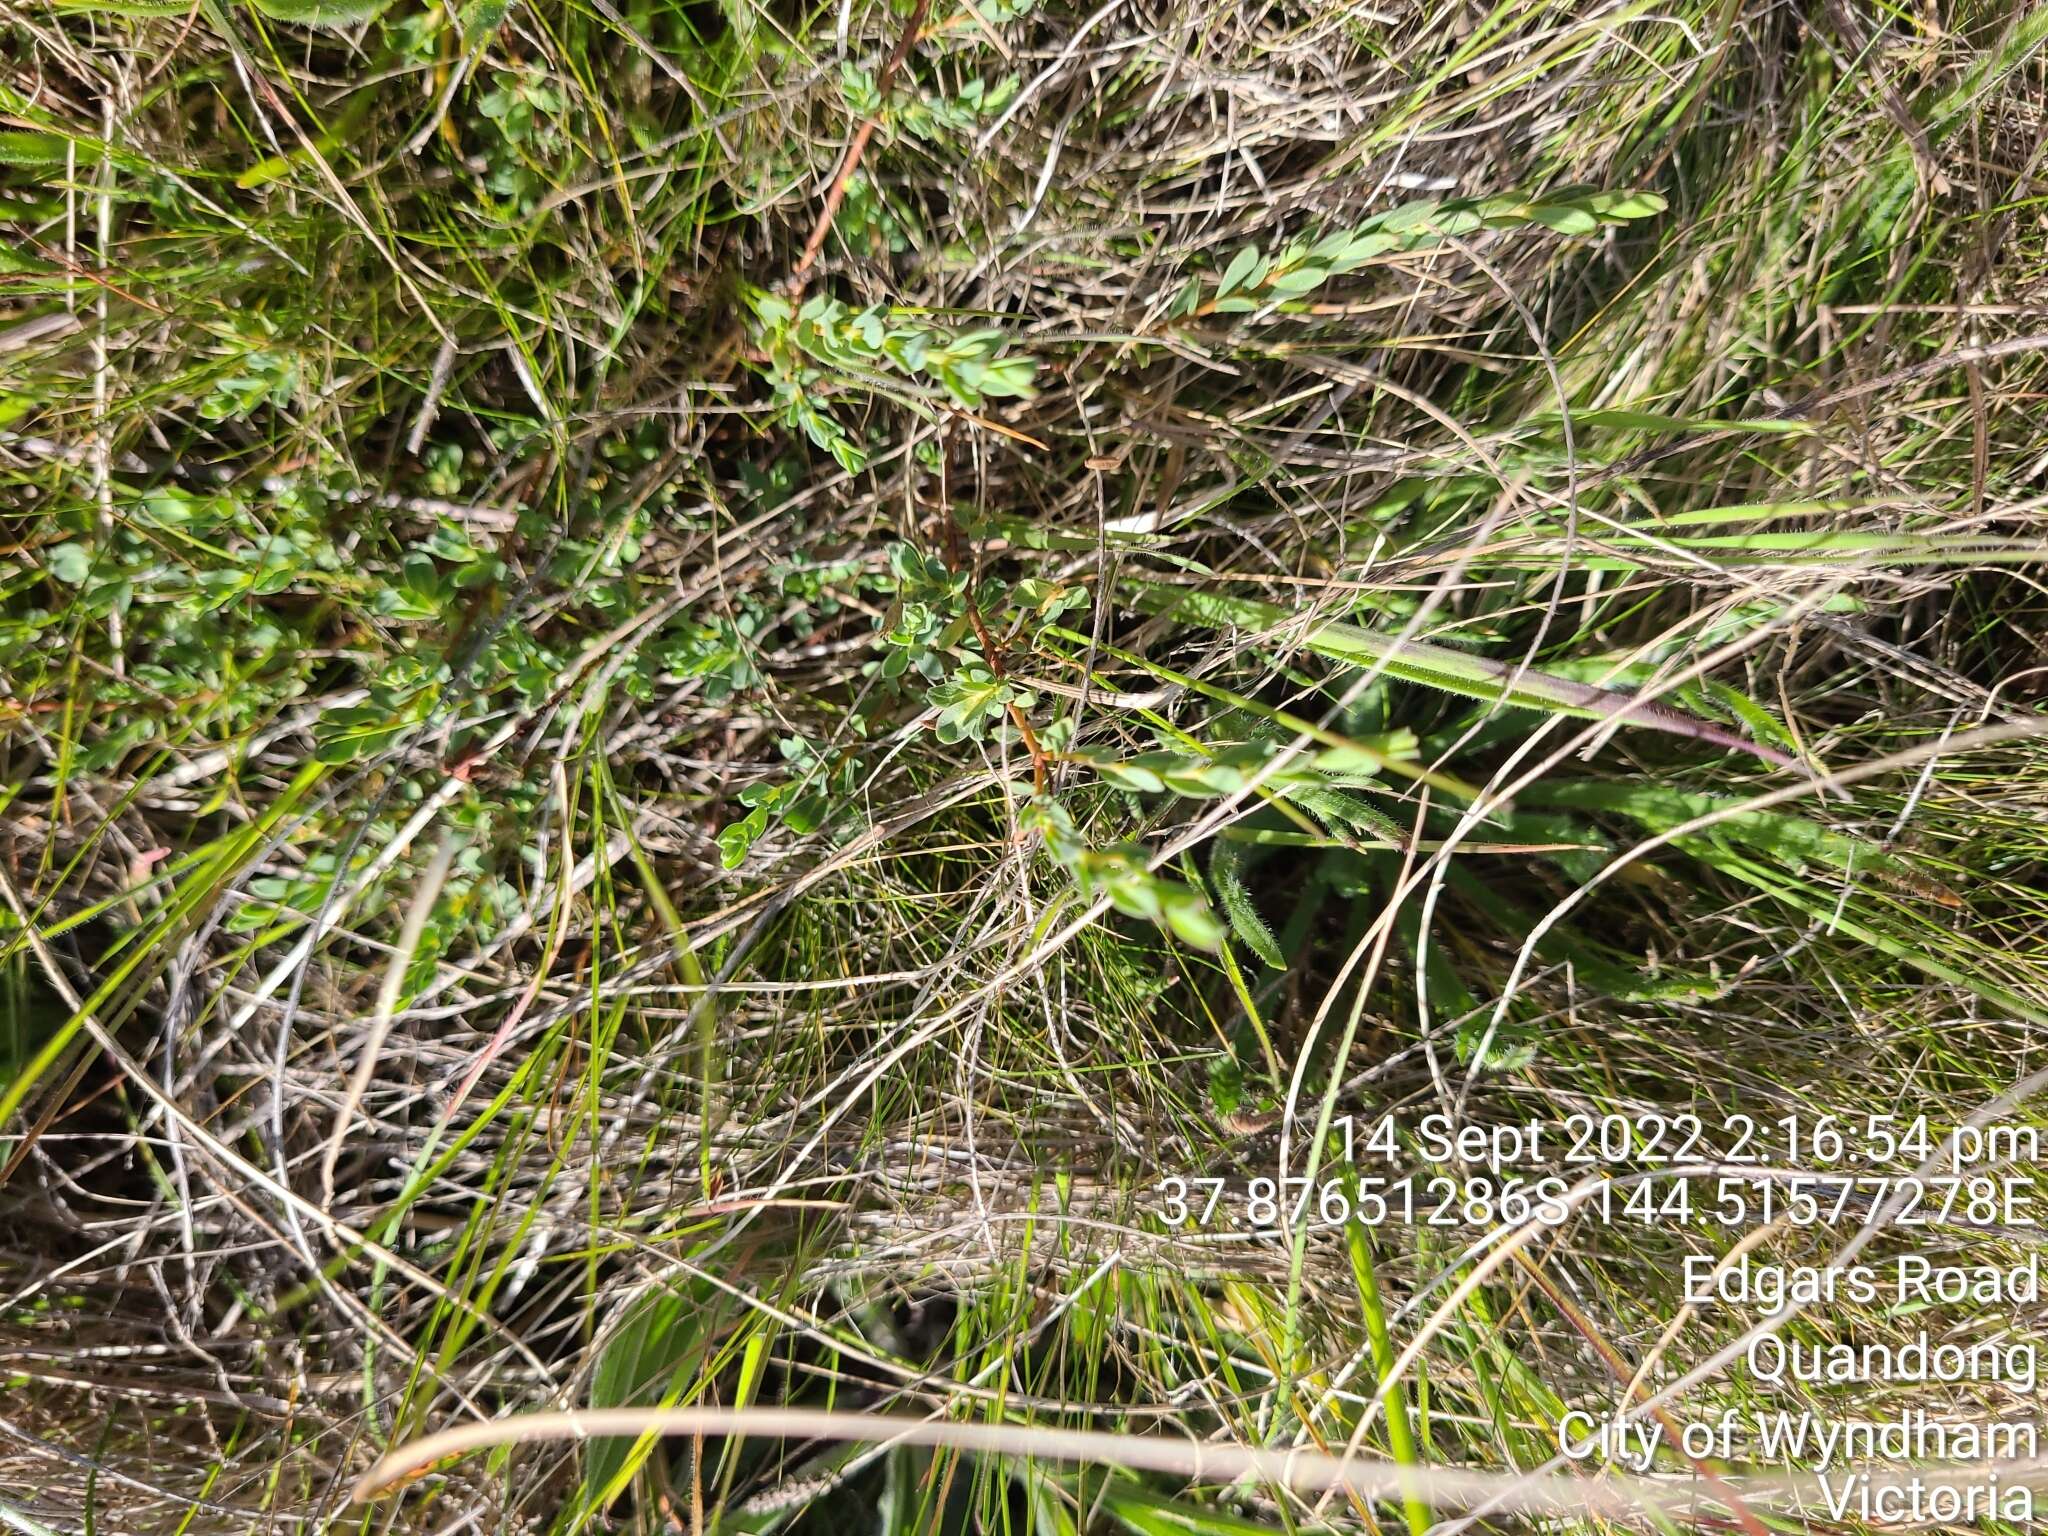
column 690, row 690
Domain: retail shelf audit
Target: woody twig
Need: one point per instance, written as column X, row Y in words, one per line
column 799, row 275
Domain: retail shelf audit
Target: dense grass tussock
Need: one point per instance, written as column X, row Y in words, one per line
column 687, row 688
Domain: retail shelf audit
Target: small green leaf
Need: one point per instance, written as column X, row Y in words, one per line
column 319, row 13
column 69, row 563
column 1565, row 219
column 1239, row 269
column 806, row 813
column 737, row 840
column 1359, row 249
column 1009, row 376
column 1245, row 921
column 1628, row 205
column 967, row 702
column 479, row 21
column 1130, row 775
column 1203, row 780
column 1189, row 917
column 1301, row 280
column 345, row 735
column 1407, row 217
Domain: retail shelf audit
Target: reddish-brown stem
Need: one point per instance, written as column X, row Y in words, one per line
column 957, row 561
column 1031, row 745
column 850, row 161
